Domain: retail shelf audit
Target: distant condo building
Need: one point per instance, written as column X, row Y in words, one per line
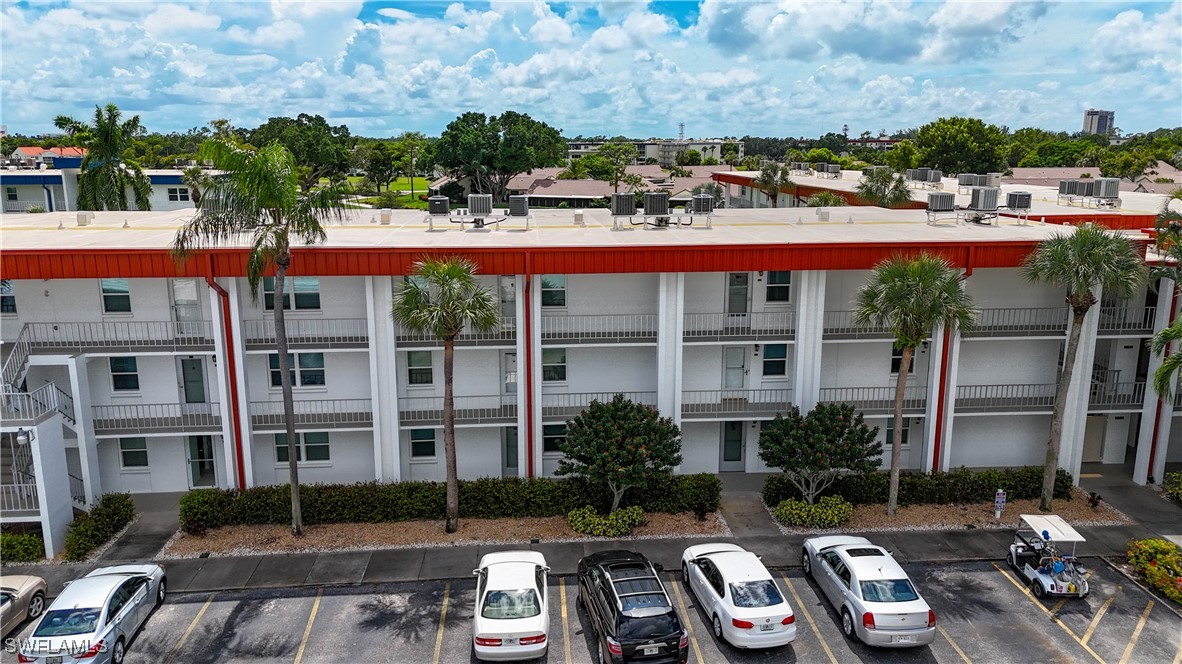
column 1098, row 122
column 662, row 151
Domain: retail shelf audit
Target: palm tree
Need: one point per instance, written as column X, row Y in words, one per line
column 107, row 172
column 884, row 188
column 575, row 170
column 1168, row 243
column 910, row 295
column 257, row 200
column 825, row 199
column 441, row 296
column 196, row 180
column 772, row 178
column 1079, row 262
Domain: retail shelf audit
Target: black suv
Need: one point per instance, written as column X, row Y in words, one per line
column 630, row 610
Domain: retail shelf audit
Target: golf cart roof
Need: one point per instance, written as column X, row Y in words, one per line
column 1059, row 530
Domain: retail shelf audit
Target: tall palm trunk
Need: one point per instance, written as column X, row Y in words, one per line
column 897, row 443
column 1051, row 466
column 297, row 517
column 449, row 438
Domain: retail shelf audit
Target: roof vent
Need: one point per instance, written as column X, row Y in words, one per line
column 518, row 206
column 438, row 206
column 84, row 218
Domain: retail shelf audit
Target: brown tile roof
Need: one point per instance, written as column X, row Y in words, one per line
column 34, row 151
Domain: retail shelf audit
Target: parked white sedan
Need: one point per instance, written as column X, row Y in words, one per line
column 742, row 600
column 877, row 602
column 512, row 606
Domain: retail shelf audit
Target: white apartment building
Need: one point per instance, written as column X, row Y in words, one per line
column 663, row 151
column 56, row 189
column 126, row 372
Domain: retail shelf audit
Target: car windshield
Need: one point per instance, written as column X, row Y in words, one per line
column 511, row 604
column 891, row 590
column 754, row 594
column 68, row 622
column 648, row 627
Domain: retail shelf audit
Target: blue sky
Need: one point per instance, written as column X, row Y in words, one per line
column 723, row 68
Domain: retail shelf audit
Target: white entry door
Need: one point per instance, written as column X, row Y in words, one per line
column 734, row 367
column 186, row 308
column 194, row 398
column 730, row 453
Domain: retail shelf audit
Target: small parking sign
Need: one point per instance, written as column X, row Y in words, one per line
column 999, row 503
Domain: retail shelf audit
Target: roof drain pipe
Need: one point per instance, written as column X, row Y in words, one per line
column 232, row 369
column 944, row 370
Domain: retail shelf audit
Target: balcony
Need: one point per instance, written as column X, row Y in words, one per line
column 840, row 325
column 758, row 326
column 22, row 206
column 494, row 409
column 569, row 404
column 308, row 333
column 313, row 414
column 18, row 502
column 503, row 336
column 28, row 408
column 1034, row 398
column 734, row 404
column 133, row 419
column 121, row 336
column 878, row 400
column 1116, row 397
column 1126, row 321
column 605, row 329
column 1029, row 322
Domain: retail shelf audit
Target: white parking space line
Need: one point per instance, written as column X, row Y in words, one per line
column 308, row 628
column 442, row 620
column 809, row 617
column 565, row 624
column 1137, row 632
column 689, row 626
column 192, row 625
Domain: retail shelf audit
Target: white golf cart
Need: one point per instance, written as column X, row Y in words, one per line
column 1036, row 556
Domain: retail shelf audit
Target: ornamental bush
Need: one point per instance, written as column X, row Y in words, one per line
column 828, row 512
column 616, row 524
column 1173, row 486
column 1159, row 561
column 95, row 528
column 21, row 547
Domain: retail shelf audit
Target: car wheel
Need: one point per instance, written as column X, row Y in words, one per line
column 1039, row 591
column 160, row 592
column 805, row 562
column 847, row 625
column 1010, row 559
column 685, row 573
column 118, row 651
column 718, row 628
column 36, row 604
column 603, row 655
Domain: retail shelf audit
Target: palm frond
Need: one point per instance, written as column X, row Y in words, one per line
column 1088, row 257
column 1166, row 376
column 442, row 296
column 911, row 295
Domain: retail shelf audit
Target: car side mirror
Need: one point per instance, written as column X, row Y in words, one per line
column 476, row 571
column 546, row 568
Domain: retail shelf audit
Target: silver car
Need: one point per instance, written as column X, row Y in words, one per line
column 877, row 602
column 20, row 597
column 96, row 616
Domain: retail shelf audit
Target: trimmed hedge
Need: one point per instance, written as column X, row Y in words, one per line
column 485, row 498
column 93, row 529
column 617, row 524
column 21, row 547
column 1160, row 562
column 1173, row 486
column 955, row 486
column 828, row 512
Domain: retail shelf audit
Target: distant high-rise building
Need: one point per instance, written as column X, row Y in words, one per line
column 1098, row 122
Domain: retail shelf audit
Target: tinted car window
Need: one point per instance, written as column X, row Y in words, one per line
column 648, row 627
column 67, row 622
column 753, row 594
column 894, row 590
column 843, row 573
column 645, row 601
column 511, row 604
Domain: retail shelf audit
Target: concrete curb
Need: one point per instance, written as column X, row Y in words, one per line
column 1140, row 584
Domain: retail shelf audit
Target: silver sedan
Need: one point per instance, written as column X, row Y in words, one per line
column 20, row 597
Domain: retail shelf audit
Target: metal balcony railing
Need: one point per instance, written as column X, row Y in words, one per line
column 1046, row 321
column 607, row 328
column 28, row 408
column 877, row 400
column 1136, row 321
column 741, row 404
column 840, row 325
column 18, row 498
column 484, row 409
column 65, row 405
column 303, row 331
column 131, row 335
column 756, row 326
column 1116, row 396
column 15, row 363
column 77, row 490
column 570, row 404
column 320, row 413
column 21, row 206
column 158, row 417
column 505, row 333
column 1005, row 398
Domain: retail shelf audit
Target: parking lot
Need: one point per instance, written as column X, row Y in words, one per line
column 985, row 615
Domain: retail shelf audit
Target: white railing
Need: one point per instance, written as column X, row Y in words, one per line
column 1025, row 321
column 1017, row 398
column 505, row 331
column 841, row 324
column 757, row 326
column 20, row 497
column 28, row 407
column 569, row 404
column 879, row 399
column 306, row 331
column 121, row 334
column 14, row 364
column 1127, row 319
column 489, row 408
column 22, row 206
column 1113, row 395
column 611, row 327
column 328, row 412
column 157, row 417
column 735, row 402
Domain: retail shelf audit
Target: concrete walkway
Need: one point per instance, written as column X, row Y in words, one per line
column 1146, row 505
column 158, row 520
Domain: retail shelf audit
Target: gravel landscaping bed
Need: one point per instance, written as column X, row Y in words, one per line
column 248, row 540
column 958, row 516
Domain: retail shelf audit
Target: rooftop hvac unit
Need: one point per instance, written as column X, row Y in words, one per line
column 941, row 201
column 910, row 173
column 1106, row 188
column 922, row 174
column 438, row 205
column 656, row 203
column 1067, row 187
column 993, row 180
column 518, row 206
column 819, row 166
column 702, row 204
column 1085, row 188
column 623, row 204
column 1019, row 200
column 936, row 175
column 833, row 168
column 984, row 199
column 966, row 180
column 479, row 205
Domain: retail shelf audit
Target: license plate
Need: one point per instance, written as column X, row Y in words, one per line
column 905, row 639
column 56, row 659
column 652, row 650
column 766, row 628
column 510, row 642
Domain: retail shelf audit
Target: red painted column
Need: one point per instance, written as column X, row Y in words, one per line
column 232, row 370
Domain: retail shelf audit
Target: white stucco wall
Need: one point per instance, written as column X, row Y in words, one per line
column 80, row 300
column 996, row 288
column 607, row 369
column 597, row 294
column 1008, row 362
column 477, row 373
column 340, row 297
column 350, row 460
column 867, row 364
column 478, row 454
column 999, row 440
column 167, row 468
column 158, row 377
column 346, row 376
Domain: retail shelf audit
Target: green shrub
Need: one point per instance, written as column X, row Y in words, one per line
column 1160, row 562
column 35, row 209
column 1173, row 486
column 617, row 524
column 21, row 548
column 93, row 529
column 829, row 512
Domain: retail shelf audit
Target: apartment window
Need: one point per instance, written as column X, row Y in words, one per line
column 554, row 365
column 553, row 436
column 307, row 369
column 310, row 446
column 116, row 296
column 125, row 375
column 10, row 193
column 775, row 359
column 418, row 367
column 178, row 194
column 7, row 299
column 422, row 443
column 303, row 291
column 779, row 286
column 133, row 452
column 553, row 290
column 897, row 361
column 890, row 432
